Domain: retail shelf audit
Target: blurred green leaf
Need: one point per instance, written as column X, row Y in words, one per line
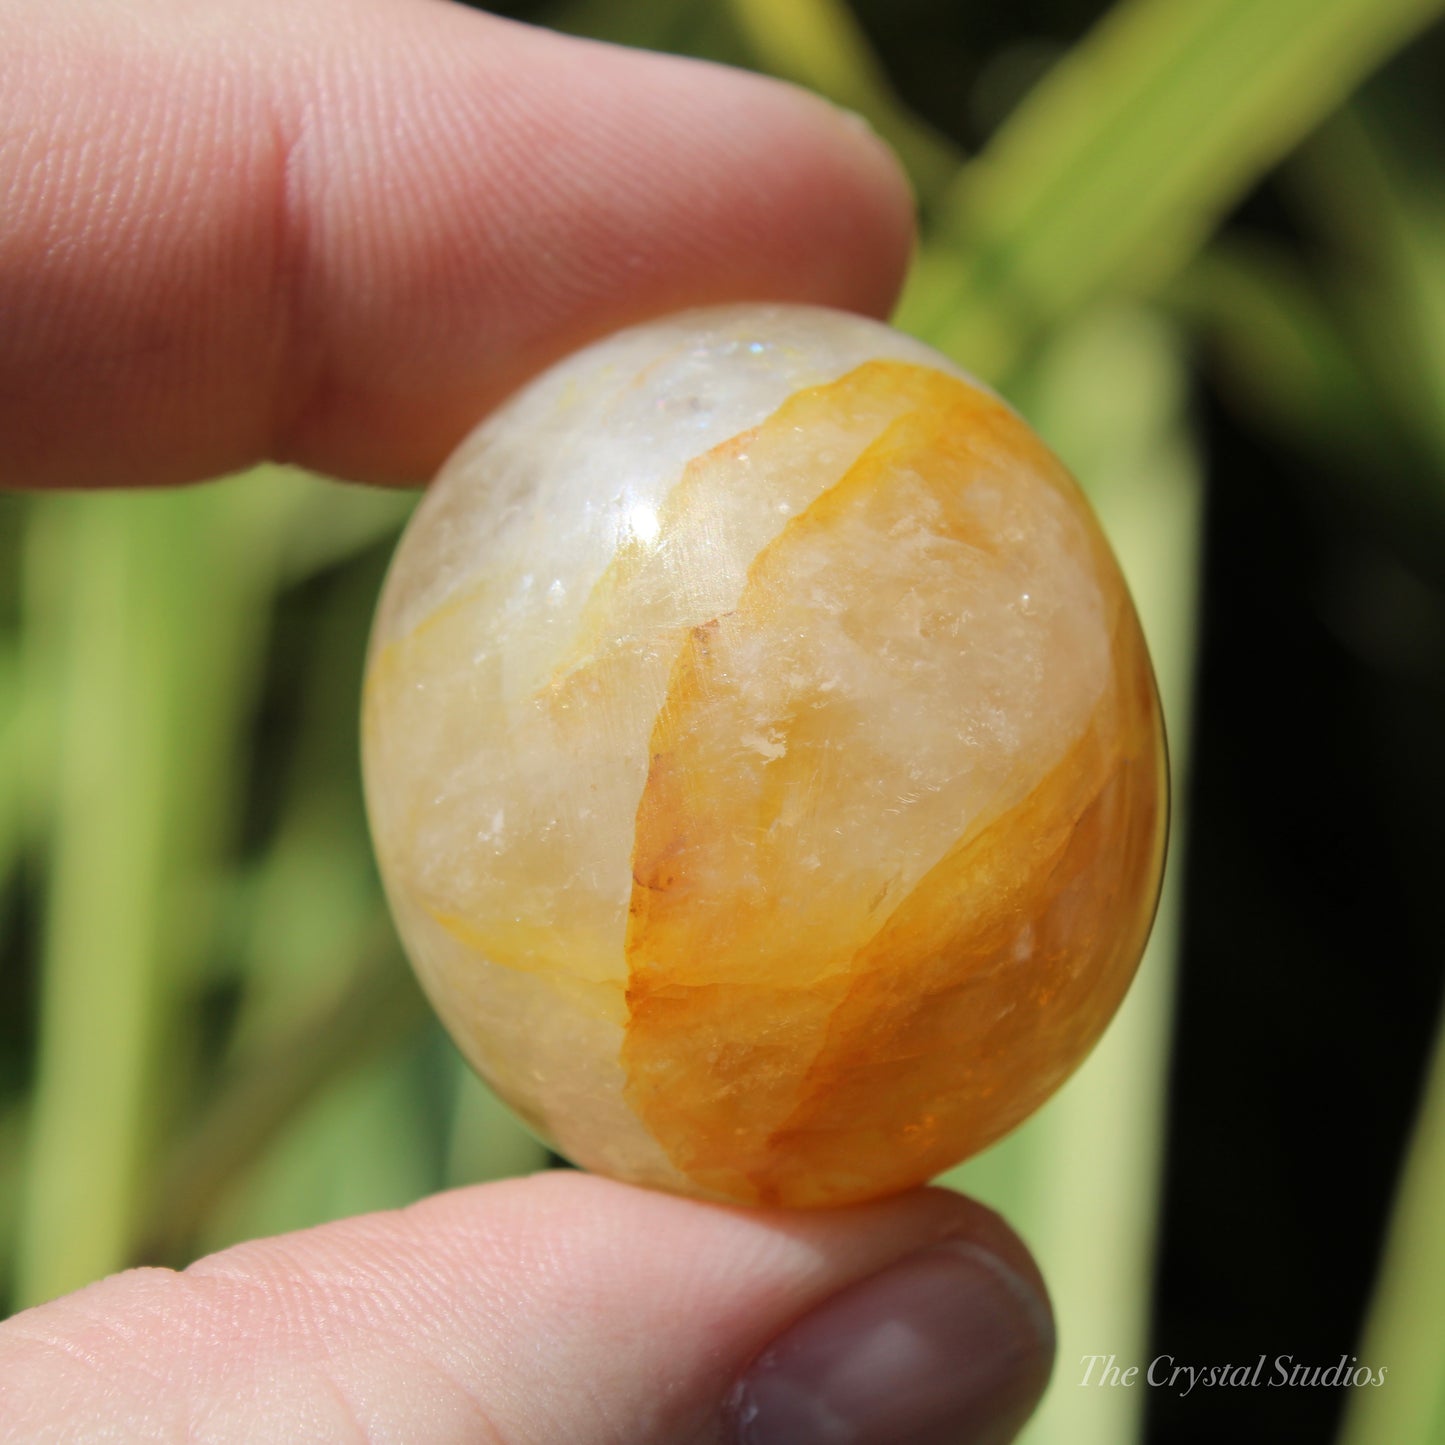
column 334, row 521
column 272, row 1087
column 12, row 1156
column 1341, row 355
column 322, row 986
column 1119, row 163
column 487, row 1142
column 362, row 1142
column 680, row 27
column 820, row 44
column 12, row 759
column 1405, row 1328
column 305, row 906
column 1281, row 349
column 157, row 608
column 28, row 680
column 1383, row 205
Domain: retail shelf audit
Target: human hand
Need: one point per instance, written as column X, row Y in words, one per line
column 338, row 233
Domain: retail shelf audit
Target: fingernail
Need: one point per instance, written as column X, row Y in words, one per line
column 947, row 1347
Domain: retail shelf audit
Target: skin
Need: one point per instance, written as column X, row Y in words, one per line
column 337, row 233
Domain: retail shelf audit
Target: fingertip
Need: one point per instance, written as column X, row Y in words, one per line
column 887, row 202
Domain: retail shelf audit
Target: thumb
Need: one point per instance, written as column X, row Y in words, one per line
column 560, row 1308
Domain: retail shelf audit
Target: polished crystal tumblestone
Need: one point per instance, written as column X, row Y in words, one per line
column 763, row 759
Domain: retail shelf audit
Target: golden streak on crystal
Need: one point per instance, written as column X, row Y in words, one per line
column 778, row 999
column 937, row 1048
column 680, row 573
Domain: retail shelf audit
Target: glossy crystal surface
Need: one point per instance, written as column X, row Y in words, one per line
column 764, row 760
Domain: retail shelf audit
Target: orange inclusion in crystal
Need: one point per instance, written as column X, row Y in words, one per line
column 802, row 1031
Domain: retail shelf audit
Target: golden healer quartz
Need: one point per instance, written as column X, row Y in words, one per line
column 764, row 760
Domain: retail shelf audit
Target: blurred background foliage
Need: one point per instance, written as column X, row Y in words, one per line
column 1201, row 244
